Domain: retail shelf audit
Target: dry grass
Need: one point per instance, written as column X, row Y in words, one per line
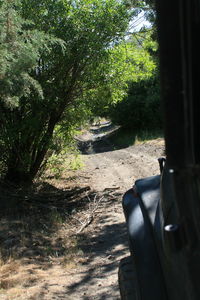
column 16, row 277
column 157, row 141
column 39, row 237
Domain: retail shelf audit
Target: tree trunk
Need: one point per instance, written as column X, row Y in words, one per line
column 23, row 166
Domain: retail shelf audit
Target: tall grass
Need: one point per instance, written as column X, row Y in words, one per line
column 126, row 138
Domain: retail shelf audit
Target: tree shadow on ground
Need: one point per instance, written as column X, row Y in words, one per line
column 119, row 138
column 103, row 249
column 125, row 137
column 29, row 233
column 106, row 247
column 27, row 227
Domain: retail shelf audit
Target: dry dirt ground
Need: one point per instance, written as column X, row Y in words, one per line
column 78, row 257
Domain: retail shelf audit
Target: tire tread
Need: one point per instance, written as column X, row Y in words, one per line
column 128, row 282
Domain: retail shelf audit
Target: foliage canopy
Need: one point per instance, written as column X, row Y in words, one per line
column 62, row 61
column 51, row 53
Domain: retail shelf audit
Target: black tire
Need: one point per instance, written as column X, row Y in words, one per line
column 128, row 282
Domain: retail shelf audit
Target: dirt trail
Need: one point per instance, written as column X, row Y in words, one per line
column 105, row 171
column 103, row 243
column 107, row 168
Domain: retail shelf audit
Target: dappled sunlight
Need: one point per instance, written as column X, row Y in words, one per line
column 104, row 250
column 68, row 235
column 49, row 244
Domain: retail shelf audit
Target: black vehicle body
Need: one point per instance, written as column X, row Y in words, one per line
column 163, row 212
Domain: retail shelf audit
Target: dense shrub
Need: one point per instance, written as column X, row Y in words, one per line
column 141, row 108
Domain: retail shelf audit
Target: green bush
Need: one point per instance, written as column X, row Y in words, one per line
column 141, row 108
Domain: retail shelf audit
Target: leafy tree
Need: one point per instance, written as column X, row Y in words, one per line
column 140, row 109
column 53, row 76
column 128, row 62
column 19, row 52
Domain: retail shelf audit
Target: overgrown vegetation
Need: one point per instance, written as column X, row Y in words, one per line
column 62, row 63
column 141, row 108
column 52, row 60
